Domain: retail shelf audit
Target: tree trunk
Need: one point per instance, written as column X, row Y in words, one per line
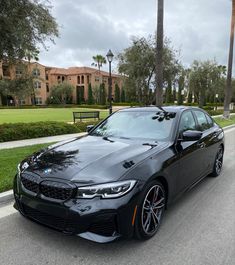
column 201, row 99
column 228, row 89
column 159, row 54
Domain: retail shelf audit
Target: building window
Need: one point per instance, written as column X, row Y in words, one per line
column 97, row 79
column 38, row 101
column 63, row 78
column 37, row 84
column 79, row 80
column 88, row 79
column 19, row 71
column 47, row 77
column 36, row 72
column 82, row 79
column 5, row 70
column 47, row 87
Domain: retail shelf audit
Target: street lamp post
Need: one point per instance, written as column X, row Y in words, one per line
column 110, row 59
column 216, row 100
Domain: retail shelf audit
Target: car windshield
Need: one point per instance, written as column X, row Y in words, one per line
column 150, row 125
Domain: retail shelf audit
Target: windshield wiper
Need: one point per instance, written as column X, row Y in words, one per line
column 107, row 139
column 151, row 144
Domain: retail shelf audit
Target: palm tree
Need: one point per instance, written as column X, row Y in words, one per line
column 99, row 60
column 228, row 89
column 159, row 54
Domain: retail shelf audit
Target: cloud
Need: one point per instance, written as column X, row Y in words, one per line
column 200, row 28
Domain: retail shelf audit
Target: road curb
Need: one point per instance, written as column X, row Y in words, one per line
column 8, row 195
column 229, row 127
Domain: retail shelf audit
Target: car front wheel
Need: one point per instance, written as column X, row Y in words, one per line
column 150, row 211
column 218, row 162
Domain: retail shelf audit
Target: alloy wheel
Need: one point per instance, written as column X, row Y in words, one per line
column 219, row 161
column 153, row 207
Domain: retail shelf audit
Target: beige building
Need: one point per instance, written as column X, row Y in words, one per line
column 44, row 78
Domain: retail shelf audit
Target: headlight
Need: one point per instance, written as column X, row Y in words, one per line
column 21, row 168
column 18, row 168
column 107, row 190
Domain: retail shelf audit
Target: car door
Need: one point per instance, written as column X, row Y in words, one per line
column 190, row 153
column 206, row 142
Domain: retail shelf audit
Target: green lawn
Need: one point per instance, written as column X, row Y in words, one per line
column 223, row 122
column 9, row 159
column 47, row 114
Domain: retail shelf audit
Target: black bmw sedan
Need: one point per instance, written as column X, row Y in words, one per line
column 119, row 178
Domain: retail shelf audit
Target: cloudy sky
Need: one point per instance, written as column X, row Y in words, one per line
column 200, row 28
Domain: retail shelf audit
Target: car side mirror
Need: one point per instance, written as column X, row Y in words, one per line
column 191, row 136
column 89, row 128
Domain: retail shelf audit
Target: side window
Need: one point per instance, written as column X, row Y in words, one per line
column 210, row 121
column 187, row 122
column 202, row 120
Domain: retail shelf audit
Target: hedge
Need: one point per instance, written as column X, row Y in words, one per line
column 55, row 106
column 20, row 131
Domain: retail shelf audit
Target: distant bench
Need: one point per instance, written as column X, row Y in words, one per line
column 86, row 115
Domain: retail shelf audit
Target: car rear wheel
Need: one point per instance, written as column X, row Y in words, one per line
column 150, row 211
column 218, row 162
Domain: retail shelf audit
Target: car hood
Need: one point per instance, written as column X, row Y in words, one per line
column 89, row 159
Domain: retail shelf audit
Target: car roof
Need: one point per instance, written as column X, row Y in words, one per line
column 154, row 108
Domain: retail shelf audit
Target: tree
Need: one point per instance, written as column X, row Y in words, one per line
column 24, row 25
column 159, row 54
column 20, row 87
column 80, row 95
column 169, row 96
column 137, row 63
column 181, row 88
column 90, row 99
column 228, row 89
column 102, row 94
column 117, row 93
column 123, row 95
column 206, row 78
column 96, row 93
column 99, row 60
column 61, row 93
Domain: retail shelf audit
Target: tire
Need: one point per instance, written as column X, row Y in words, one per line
column 150, row 211
column 218, row 164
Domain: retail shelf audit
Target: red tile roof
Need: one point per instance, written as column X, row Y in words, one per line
column 78, row 71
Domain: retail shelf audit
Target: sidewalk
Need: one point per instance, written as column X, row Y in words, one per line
column 42, row 140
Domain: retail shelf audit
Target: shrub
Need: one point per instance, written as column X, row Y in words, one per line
column 20, row 131
column 55, row 106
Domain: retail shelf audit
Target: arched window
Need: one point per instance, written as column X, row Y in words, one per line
column 79, row 81
column 82, row 79
column 36, row 72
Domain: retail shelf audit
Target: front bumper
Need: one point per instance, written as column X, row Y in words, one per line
column 100, row 220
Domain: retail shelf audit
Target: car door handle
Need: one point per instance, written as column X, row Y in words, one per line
column 201, row 145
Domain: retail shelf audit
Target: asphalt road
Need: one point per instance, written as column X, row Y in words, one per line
column 198, row 229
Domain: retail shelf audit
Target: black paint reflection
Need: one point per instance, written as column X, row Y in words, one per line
column 55, row 160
